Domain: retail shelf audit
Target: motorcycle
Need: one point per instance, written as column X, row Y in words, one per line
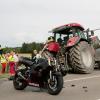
column 38, row 73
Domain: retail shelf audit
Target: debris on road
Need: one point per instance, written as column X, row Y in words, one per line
column 73, row 85
column 84, row 87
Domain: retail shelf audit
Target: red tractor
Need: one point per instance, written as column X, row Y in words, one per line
column 76, row 49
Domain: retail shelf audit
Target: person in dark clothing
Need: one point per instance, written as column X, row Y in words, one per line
column 1, row 50
column 34, row 53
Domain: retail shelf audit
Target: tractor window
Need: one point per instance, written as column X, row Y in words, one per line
column 61, row 38
column 58, row 36
column 81, row 34
column 71, row 35
column 77, row 33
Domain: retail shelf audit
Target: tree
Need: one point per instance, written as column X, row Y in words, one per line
column 29, row 47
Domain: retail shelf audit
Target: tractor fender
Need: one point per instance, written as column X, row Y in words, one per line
column 74, row 40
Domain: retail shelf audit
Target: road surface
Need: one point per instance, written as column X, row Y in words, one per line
column 76, row 87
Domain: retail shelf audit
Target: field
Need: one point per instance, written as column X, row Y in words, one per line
column 24, row 54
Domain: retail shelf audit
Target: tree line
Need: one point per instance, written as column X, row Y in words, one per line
column 25, row 48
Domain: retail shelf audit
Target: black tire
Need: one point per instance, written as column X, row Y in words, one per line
column 19, row 84
column 81, row 58
column 57, row 89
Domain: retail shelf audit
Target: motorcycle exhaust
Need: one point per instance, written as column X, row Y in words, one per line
column 29, row 83
column 19, row 74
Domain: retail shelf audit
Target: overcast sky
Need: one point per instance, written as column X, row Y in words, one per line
column 30, row 20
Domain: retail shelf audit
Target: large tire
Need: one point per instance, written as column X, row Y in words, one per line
column 55, row 89
column 19, row 84
column 81, row 58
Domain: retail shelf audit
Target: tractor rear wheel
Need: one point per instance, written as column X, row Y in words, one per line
column 81, row 58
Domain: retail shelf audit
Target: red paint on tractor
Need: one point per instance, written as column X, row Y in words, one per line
column 53, row 46
column 70, row 25
column 72, row 41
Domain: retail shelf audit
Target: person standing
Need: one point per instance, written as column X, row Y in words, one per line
column 16, row 59
column 1, row 50
column 34, row 53
column 11, row 65
column 3, row 63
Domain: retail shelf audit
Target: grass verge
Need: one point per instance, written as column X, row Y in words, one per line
column 6, row 75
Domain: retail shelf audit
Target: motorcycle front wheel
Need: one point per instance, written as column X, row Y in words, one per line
column 55, row 86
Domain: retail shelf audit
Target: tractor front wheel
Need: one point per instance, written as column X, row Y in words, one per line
column 81, row 58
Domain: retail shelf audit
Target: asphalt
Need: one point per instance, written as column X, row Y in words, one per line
column 76, row 87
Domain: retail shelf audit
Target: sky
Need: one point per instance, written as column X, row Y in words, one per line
column 30, row 20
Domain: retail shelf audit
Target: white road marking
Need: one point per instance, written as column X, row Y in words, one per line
column 84, row 78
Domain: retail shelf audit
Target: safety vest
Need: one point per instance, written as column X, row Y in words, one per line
column 2, row 59
column 11, row 58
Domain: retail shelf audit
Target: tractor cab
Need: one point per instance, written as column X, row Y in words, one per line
column 67, row 32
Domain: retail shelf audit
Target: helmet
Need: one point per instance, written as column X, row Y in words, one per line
column 50, row 39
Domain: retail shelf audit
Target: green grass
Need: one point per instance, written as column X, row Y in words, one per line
column 6, row 75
